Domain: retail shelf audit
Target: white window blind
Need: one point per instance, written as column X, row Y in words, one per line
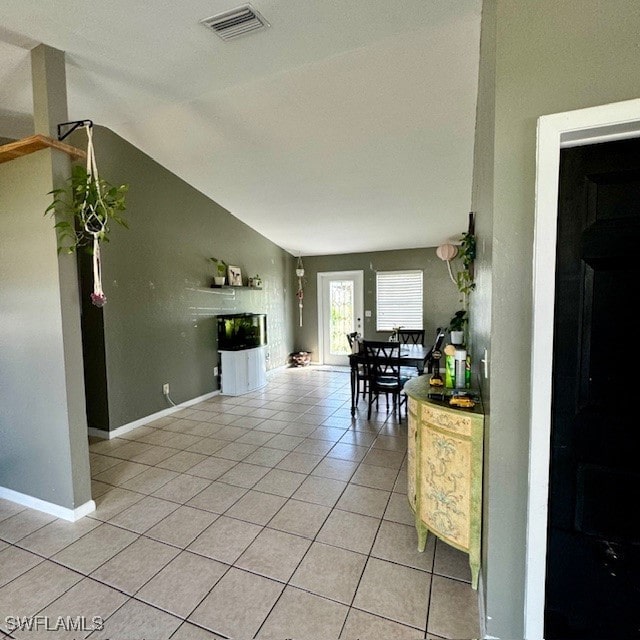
column 398, row 300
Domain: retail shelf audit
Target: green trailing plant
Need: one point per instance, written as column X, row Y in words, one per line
column 464, row 281
column 467, row 253
column 468, row 250
column 84, row 210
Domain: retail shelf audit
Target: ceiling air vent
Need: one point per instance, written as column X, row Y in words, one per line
column 235, row 23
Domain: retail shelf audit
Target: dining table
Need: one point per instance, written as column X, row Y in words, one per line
column 411, row 355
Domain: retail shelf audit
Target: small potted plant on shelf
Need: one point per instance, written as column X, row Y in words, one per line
column 456, row 326
column 221, row 270
column 256, row 281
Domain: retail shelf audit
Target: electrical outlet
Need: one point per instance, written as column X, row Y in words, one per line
column 165, row 389
column 215, row 371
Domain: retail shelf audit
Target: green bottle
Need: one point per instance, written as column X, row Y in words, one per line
column 449, row 367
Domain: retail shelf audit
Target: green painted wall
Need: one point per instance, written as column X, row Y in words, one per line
column 550, row 57
column 441, row 298
column 159, row 320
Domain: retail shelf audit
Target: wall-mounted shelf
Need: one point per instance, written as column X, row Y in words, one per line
column 35, row 143
column 234, row 286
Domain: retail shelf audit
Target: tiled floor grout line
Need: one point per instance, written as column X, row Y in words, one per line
column 185, row 618
column 57, row 597
column 364, row 568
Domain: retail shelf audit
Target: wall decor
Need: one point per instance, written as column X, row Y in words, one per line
column 234, row 275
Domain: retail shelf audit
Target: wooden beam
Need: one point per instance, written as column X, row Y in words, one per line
column 31, row 144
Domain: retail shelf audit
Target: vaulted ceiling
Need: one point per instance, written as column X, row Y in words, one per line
column 341, row 127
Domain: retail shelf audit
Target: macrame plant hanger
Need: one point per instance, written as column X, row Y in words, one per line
column 94, row 224
column 300, row 292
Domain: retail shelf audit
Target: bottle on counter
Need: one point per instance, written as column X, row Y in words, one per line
column 460, row 358
column 449, row 367
column 467, row 376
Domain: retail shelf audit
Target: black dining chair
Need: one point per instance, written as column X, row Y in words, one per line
column 361, row 374
column 410, row 336
column 383, row 365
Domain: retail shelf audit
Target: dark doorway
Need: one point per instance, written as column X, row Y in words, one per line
column 593, row 558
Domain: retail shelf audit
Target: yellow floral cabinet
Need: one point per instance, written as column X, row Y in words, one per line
column 444, row 458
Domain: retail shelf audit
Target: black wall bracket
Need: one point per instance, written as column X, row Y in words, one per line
column 73, row 125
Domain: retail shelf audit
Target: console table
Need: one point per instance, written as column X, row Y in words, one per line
column 444, row 452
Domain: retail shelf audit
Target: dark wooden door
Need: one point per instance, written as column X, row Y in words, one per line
column 593, row 557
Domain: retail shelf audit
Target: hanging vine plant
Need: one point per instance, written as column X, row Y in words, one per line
column 84, row 210
column 465, row 277
column 300, row 291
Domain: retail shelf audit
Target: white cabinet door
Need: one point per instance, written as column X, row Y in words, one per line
column 243, row 371
column 256, row 369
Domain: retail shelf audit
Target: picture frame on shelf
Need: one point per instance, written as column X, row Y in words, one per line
column 234, row 276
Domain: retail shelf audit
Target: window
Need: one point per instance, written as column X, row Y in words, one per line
column 399, row 300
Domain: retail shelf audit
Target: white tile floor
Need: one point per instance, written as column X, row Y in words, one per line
column 269, row 515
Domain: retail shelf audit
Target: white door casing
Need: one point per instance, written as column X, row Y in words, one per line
column 584, row 126
column 347, row 290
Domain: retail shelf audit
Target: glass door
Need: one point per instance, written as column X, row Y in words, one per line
column 340, row 311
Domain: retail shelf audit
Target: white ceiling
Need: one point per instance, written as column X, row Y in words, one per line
column 343, row 127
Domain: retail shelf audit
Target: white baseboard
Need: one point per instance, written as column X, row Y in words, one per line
column 48, row 507
column 276, row 369
column 125, row 428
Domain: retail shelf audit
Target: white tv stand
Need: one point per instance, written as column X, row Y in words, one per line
column 243, row 370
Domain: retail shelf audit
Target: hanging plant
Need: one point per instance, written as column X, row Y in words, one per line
column 464, row 279
column 300, row 291
column 84, row 207
column 465, row 282
column 468, row 250
column 467, row 253
column 84, row 210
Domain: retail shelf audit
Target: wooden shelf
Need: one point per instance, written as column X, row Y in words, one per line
column 35, row 143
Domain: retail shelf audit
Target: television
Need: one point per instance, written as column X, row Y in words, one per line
column 242, row 331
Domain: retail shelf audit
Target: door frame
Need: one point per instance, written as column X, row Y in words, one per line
column 320, row 279
column 604, row 123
